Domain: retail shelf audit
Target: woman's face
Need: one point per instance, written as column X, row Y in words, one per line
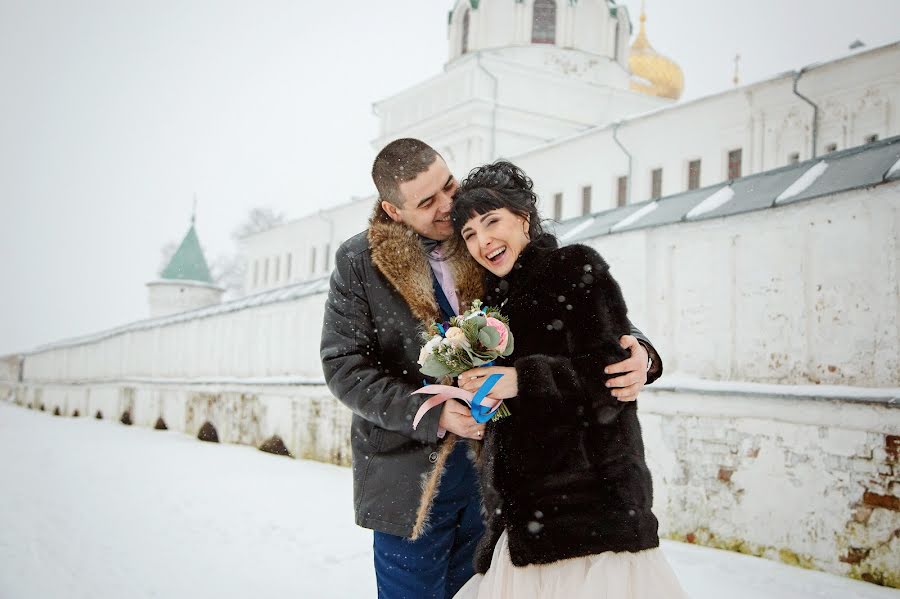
column 496, row 239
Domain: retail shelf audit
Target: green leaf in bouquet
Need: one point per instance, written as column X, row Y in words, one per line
column 510, row 343
column 471, row 331
column 434, row 368
column 489, row 337
column 477, row 356
column 478, row 320
column 476, row 362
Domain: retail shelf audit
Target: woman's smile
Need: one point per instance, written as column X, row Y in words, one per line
column 495, row 239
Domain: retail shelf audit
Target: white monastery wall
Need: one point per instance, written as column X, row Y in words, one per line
column 272, row 340
column 788, row 476
column 858, row 96
column 302, row 249
column 9, row 368
column 505, row 101
column 171, row 296
column 800, row 294
column 803, row 469
column 547, row 97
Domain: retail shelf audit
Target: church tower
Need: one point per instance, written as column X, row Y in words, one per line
column 520, row 74
column 653, row 73
column 185, row 283
column 596, row 27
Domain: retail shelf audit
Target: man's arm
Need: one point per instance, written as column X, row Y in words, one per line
column 350, row 361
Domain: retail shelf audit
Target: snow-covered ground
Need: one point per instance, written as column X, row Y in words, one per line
column 99, row 510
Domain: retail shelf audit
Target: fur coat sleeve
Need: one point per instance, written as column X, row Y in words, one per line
column 597, row 319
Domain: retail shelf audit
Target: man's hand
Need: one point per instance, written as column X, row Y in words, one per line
column 506, row 387
column 457, row 418
column 629, row 385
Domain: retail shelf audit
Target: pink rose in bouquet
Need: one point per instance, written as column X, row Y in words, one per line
column 501, row 330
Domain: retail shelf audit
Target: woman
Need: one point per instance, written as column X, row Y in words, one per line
column 567, row 492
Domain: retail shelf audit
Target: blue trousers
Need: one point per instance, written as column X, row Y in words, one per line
column 437, row 564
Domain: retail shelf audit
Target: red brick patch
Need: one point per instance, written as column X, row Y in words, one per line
column 892, row 447
column 855, row 555
column 883, row 501
column 691, row 537
column 725, row 474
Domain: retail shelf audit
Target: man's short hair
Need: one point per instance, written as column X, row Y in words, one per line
column 400, row 161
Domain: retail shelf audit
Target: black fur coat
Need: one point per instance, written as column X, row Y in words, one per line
column 564, row 475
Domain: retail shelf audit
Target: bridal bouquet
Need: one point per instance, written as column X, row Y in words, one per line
column 476, row 338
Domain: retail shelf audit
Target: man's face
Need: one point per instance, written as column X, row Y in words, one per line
column 427, row 202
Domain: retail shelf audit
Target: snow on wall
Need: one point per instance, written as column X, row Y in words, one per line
column 714, row 201
column 804, row 182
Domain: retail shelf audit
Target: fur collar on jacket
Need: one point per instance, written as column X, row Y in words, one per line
column 397, row 253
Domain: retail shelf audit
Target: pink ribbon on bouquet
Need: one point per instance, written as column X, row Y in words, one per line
column 444, row 392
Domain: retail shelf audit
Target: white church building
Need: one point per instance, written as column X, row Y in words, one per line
column 755, row 234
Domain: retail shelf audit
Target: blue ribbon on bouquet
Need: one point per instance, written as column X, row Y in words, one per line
column 480, row 412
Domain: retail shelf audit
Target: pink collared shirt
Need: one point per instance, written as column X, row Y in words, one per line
column 444, row 276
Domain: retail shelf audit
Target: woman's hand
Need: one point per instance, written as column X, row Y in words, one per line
column 506, row 387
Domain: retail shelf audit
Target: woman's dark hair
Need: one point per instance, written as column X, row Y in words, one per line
column 493, row 186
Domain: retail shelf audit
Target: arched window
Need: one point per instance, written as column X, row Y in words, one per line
column 465, row 32
column 543, row 27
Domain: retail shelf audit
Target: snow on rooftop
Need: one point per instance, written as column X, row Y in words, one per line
column 577, row 229
column 287, row 380
column 803, row 183
column 635, row 216
column 104, row 511
column 716, row 200
column 894, row 170
column 889, row 395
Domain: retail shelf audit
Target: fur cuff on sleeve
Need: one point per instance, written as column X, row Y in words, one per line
column 546, row 379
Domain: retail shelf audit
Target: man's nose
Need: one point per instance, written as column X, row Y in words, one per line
column 445, row 201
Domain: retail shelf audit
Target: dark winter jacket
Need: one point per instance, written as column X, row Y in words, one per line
column 564, row 475
column 381, row 297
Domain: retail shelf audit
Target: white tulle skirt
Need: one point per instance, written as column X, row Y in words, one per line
column 642, row 575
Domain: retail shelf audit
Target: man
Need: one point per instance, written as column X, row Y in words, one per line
column 418, row 492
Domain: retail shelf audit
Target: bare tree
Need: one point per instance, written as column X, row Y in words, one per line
column 166, row 253
column 257, row 221
column 227, row 271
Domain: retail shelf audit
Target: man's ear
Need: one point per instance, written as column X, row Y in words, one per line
column 391, row 211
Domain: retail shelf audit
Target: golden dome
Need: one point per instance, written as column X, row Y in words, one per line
column 654, row 74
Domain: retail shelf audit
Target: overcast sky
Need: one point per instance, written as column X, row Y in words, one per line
column 114, row 113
